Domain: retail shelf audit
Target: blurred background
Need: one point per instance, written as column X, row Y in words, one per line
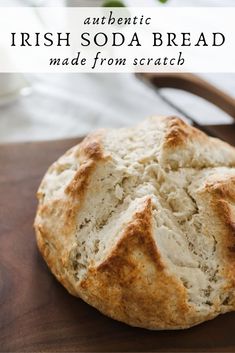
column 55, row 106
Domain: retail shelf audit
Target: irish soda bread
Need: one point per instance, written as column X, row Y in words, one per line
column 140, row 223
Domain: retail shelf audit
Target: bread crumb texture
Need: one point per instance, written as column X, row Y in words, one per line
column 140, row 223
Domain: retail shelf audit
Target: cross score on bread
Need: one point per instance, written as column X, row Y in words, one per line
column 139, row 222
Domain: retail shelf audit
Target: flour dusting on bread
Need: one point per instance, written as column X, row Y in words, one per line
column 140, row 223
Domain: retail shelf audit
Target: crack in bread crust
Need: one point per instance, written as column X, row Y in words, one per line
column 136, row 263
column 126, row 216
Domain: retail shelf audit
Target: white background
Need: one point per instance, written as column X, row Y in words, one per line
column 193, row 21
column 62, row 105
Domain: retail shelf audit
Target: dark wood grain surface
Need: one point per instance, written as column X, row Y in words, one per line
column 36, row 312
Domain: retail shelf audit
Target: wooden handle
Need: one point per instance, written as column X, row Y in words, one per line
column 193, row 84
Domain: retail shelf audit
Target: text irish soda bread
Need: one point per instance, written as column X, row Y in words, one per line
column 140, row 223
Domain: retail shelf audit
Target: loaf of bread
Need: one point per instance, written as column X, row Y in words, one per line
column 140, row 223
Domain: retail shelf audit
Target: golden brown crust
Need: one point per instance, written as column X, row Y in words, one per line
column 91, row 147
column 134, row 282
column 59, row 216
column 89, row 153
column 178, row 133
column 222, row 199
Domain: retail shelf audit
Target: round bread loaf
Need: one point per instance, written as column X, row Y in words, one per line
column 140, row 223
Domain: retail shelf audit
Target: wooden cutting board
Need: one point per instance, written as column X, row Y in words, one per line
column 36, row 312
